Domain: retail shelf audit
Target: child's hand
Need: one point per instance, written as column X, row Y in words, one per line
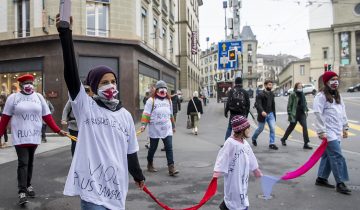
column 257, row 173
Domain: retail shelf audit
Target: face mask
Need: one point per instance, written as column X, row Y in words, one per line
column 162, row 92
column 108, row 92
column 299, row 90
column 334, row 84
column 28, row 88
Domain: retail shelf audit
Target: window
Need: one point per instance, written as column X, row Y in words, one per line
column 164, row 38
column 202, row 71
column 97, row 19
column 206, row 60
column 250, row 70
column 325, row 53
column 206, row 69
column 22, row 14
column 215, row 57
column 302, row 69
column 215, row 66
column 249, row 47
column 171, row 42
column 144, row 25
column 357, row 9
column 250, row 83
column 210, row 59
column 210, row 68
column 155, row 32
column 249, row 57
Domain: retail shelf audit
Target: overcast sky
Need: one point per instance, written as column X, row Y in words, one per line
column 280, row 25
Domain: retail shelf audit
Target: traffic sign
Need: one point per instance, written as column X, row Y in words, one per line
column 228, row 51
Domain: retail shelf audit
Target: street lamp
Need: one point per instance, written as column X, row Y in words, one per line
column 207, row 55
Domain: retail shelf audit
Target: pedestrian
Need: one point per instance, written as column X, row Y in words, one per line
column 148, row 94
column 158, row 115
column 297, row 112
column 176, row 103
column 205, row 95
column 146, row 97
column 238, row 103
column 331, row 123
column 3, row 97
column 194, row 111
column 68, row 118
column 26, row 109
column 234, row 161
column 106, row 145
column 265, row 106
column 43, row 129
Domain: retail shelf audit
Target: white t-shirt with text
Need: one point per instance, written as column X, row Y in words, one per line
column 235, row 160
column 26, row 113
column 99, row 169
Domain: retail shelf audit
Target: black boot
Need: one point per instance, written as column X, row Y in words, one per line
column 306, row 146
column 283, row 142
column 341, row 188
column 323, row 183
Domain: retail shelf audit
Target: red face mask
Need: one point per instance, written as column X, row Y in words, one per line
column 162, row 92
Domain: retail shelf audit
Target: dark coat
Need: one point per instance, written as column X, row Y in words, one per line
column 245, row 112
column 176, row 104
column 265, row 102
column 191, row 107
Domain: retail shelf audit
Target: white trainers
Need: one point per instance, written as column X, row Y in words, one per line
column 22, row 199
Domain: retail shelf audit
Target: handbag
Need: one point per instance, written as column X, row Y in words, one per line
column 188, row 123
column 198, row 113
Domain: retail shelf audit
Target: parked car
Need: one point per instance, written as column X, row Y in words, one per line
column 179, row 93
column 309, row 89
column 288, row 92
column 354, row 88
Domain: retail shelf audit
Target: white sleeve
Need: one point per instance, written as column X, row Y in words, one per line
column 253, row 164
column 318, row 108
column 344, row 116
column 149, row 105
column 44, row 105
column 133, row 142
column 9, row 105
column 81, row 103
column 223, row 159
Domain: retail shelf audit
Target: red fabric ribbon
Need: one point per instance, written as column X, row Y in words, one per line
column 210, row 192
column 309, row 164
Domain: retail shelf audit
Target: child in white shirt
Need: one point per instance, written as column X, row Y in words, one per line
column 235, row 160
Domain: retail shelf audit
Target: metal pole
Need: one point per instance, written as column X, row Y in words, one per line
column 225, row 6
column 207, row 52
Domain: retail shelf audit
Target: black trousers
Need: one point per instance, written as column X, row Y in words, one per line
column 301, row 118
column 25, row 166
column 73, row 143
column 5, row 136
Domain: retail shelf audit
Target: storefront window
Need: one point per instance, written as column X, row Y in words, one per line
column 145, row 84
column 9, row 83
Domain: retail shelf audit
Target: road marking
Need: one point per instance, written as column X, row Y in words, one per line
column 278, row 131
column 354, row 126
column 311, row 133
column 353, row 121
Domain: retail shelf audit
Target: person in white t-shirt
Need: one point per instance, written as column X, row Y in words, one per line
column 107, row 145
column 158, row 114
column 26, row 109
column 235, row 160
column 331, row 123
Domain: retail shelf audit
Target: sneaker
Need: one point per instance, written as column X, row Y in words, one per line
column 342, row 188
column 22, row 199
column 306, row 146
column 30, row 192
column 323, row 183
column 254, row 142
column 283, row 142
column 273, row 146
column 147, row 145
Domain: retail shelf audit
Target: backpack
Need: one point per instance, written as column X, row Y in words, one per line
column 237, row 100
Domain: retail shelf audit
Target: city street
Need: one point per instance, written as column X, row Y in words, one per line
column 195, row 157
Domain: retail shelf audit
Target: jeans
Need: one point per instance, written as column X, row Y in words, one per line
column 333, row 161
column 25, row 166
column 90, row 206
column 301, row 118
column 73, row 143
column 270, row 120
column 168, row 149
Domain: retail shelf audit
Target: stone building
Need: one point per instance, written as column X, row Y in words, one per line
column 295, row 71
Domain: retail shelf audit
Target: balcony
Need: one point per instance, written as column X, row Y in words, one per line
column 164, row 8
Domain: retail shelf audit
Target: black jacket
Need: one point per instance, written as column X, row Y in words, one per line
column 191, row 107
column 176, row 104
column 245, row 112
column 265, row 102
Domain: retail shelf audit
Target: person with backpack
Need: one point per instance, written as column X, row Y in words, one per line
column 176, row 103
column 265, row 106
column 238, row 103
column 194, row 111
column 297, row 111
column 26, row 110
column 158, row 115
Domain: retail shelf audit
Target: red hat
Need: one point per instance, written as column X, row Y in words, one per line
column 328, row 75
column 25, row 77
column 239, row 123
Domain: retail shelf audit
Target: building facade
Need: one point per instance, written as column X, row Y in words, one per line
column 209, row 71
column 189, row 55
column 335, row 41
column 295, row 71
column 138, row 39
column 249, row 58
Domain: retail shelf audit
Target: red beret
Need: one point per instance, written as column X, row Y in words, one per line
column 328, row 75
column 26, row 77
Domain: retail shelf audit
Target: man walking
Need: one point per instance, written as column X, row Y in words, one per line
column 265, row 106
column 238, row 103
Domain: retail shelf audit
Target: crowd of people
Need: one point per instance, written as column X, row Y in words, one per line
column 107, row 139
